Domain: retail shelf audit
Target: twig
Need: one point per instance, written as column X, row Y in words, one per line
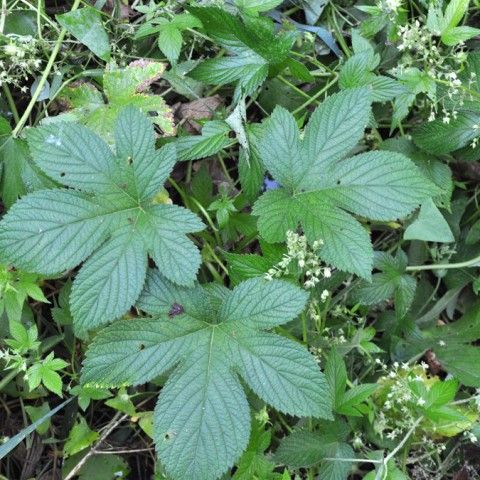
column 383, row 471
column 118, row 452
column 116, row 420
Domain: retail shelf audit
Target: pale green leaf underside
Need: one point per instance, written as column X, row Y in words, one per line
column 202, row 420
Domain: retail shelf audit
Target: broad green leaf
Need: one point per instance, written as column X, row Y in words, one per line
column 334, row 128
column 278, row 213
column 13, row 154
column 437, row 137
column 452, row 346
column 354, row 397
column 271, row 365
column 358, row 72
column 256, row 6
column 441, row 393
column 209, row 336
column 85, row 24
column 256, row 303
column 280, row 148
column 214, row 138
column 462, row 362
column 242, row 267
column 210, row 426
column 390, row 282
column 170, row 42
column 357, row 184
column 73, row 155
column 305, row 449
column 79, row 438
column 318, row 188
column 346, row 242
column 454, row 36
column 336, row 374
column 52, row 230
column 114, row 217
column 253, row 46
column 454, row 12
column 429, row 226
column 110, row 281
column 128, row 86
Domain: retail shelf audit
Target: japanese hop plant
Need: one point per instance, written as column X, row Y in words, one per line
column 107, row 218
column 321, row 189
column 106, row 213
column 208, row 336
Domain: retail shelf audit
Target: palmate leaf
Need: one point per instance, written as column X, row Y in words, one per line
column 107, row 218
column 304, row 449
column 320, row 189
column 211, row 335
column 123, row 87
column 253, row 45
column 390, row 282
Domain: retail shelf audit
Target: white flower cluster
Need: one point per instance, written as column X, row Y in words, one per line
column 389, row 6
column 304, row 258
column 421, row 49
column 19, row 59
column 398, row 412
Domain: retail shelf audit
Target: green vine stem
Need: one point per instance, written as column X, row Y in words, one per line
column 474, row 262
column 23, row 120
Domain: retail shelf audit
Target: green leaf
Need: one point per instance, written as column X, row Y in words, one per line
column 390, row 282
column 214, row 138
column 128, row 86
column 441, row 393
column 113, row 217
column 52, row 230
column 242, row 267
column 260, row 304
column 257, row 6
column 67, row 146
column 429, row 226
column 336, row 374
column 451, row 345
column 462, row 362
column 454, row 12
column 85, row 24
column 438, row 137
column 334, row 128
column 454, row 36
column 354, row 397
column 52, row 381
column 110, row 281
column 41, row 412
column 202, row 420
column 354, row 185
column 318, row 188
column 79, row 438
column 305, row 449
column 170, row 42
column 13, row 154
column 253, row 45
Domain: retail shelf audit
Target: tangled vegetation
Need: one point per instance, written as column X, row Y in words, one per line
column 240, row 239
